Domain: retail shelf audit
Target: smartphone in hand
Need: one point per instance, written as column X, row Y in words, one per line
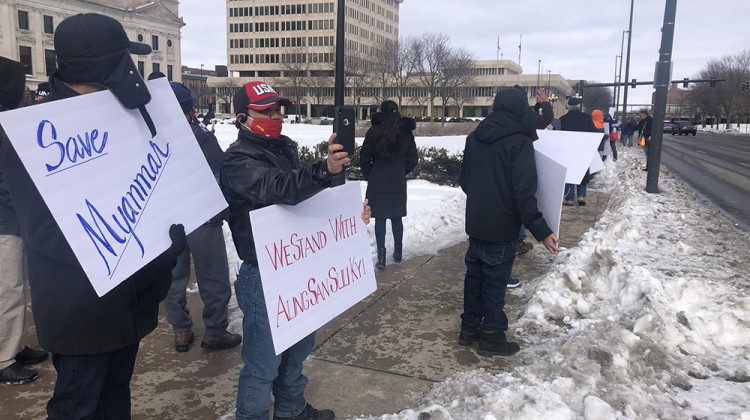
column 343, row 126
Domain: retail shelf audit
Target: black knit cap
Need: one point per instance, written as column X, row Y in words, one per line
column 93, row 48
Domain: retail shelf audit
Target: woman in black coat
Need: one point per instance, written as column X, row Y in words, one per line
column 387, row 155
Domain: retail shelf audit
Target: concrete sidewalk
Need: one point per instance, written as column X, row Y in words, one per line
column 379, row 357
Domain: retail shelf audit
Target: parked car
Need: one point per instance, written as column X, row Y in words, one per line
column 684, row 127
column 667, row 127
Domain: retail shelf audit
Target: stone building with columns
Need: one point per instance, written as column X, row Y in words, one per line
column 27, row 30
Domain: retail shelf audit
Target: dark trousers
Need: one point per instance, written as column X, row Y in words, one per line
column 209, row 255
column 93, row 386
column 488, row 268
column 397, row 225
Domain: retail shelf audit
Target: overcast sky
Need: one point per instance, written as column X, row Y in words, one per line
column 570, row 37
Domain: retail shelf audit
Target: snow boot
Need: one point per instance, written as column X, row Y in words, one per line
column 397, row 253
column 381, row 259
column 494, row 343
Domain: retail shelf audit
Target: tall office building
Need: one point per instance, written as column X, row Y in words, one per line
column 267, row 37
column 27, row 29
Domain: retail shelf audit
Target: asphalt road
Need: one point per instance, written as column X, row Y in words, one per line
column 717, row 167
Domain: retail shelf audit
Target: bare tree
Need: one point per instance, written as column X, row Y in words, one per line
column 430, row 52
column 403, row 71
column 358, row 74
column 294, row 83
column 724, row 99
column 384, row 68
column 597, row 98
column 320, row 87
column 457, row 78
column 225, row 91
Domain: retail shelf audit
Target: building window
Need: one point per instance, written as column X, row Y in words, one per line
column 155, row 68
column 49, row 27
column 23, row 19
column 140, row 38
column 49, row 61
column 155, row 42
column 169, row 72
column 169, row 43
column 141, row 66
column 24, row 54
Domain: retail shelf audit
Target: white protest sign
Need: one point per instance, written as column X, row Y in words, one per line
column 314, row 260
column 572, row 149
column 550, row 189
column 112, row 188
column 596, row 163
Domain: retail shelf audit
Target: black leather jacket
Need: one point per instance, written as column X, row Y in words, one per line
column 260, row 171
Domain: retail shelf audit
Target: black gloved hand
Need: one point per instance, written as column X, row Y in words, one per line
column 179, row 242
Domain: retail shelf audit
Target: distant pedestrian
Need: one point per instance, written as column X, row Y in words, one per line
column 644, row 130
column 629, row 128
column 498, row 175
column 610, row 123
column 209, row 254
column 388, row 154
column 576, row 120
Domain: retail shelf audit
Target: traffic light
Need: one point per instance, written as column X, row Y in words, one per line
column 685, row 82
column 632, row 84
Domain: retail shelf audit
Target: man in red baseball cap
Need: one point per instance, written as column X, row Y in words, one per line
column 260, row 169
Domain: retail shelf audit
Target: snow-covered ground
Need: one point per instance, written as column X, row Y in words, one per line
column 741, row 130
column 647, row 317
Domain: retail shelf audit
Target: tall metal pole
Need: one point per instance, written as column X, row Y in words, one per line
column 619, row 75
column 538, row 72
column 614, row 91
column 661, row 84
column 627, row 63
column 338, row 92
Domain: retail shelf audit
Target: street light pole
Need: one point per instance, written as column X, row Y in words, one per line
column 538, row 72
column 200, row 93
column 617, row 86
column 627, row 62
column 661, row 84
column 619, row 75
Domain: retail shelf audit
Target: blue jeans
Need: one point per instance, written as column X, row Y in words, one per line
column 613, row 145
column 570, row 191
column 93, row 385
column 488, row 267
column 522, row 233
column 265, row 372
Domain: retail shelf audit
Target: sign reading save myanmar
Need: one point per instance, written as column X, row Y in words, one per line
column 113, row 189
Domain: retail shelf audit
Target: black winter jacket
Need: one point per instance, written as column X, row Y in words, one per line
column 260, row 171
column 70, row 318
column 644, row 127
column 498, row 173
column 214, row 156
column 385, row 170
column 575, row 120
column 8, row 219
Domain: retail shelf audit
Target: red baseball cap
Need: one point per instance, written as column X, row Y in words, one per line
column 257, row 96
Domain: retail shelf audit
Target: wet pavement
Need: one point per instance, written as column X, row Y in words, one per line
column 379, row 357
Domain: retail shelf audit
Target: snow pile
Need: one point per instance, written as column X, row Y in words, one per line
column 648, row 317
column 735, row 130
